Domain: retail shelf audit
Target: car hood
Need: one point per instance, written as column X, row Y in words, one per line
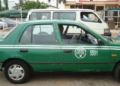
column 114, row 40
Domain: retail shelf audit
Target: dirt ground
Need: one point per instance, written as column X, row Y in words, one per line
column 66, row 79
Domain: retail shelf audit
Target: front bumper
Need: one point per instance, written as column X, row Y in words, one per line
column 108, row 34
column 0, row 69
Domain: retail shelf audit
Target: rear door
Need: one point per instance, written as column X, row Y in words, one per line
column 39, row 46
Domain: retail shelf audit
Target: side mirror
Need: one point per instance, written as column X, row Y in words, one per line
column 100, row 42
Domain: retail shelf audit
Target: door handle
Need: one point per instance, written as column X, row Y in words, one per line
column 67, row 51
column 23, row 50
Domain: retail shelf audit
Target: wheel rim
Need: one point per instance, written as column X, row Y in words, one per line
column 16, row 72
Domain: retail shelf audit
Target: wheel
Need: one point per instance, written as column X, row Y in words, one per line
column 117, row 72
column 17, row 71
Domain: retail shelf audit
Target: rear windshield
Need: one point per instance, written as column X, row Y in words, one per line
column 40, row 16
column 64, row 15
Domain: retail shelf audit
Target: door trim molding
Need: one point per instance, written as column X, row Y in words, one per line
column 71, row 62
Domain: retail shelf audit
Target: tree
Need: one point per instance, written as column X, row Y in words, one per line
column 21, row 2
column 34, row 5
column 17, row 6
column 30, row 5
column 1, row 8
column 58, row 2
column 0, row 5
column 6, row 4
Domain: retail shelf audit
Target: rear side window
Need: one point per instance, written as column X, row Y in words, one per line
column 26, row 36
column 39, row 34
column 64, row 15
column 43, row 34
column 40, row 16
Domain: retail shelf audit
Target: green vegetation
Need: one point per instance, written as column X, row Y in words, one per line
column 30, row 5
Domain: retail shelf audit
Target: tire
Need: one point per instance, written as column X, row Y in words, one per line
column 17, row 71
column 117, row 72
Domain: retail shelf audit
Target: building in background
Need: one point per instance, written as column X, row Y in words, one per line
column 97, row 5
column 11, row 3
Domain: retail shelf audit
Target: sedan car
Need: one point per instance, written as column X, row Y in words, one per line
column 9, row 22
column 56, row 45
column 3, row 25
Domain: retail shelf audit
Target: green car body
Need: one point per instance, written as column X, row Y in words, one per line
column 58, row 56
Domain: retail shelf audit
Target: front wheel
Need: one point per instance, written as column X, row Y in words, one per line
column 17, row 71
column 117, row 72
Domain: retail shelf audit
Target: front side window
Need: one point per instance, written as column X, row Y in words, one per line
column 72, row 34
column 64, row 15
column 89, row 17
column 38, row 34
column 40, row 15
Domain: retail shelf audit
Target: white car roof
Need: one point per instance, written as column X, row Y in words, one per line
column 85, row 10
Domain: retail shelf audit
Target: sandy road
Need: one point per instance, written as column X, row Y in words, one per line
column 66, row 79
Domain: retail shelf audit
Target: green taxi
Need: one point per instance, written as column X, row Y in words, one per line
column 56, row 45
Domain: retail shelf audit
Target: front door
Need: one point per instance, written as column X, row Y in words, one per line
column 38, row 45
column 81, row 51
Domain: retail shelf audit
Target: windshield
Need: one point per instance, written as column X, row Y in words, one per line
column 107, row 38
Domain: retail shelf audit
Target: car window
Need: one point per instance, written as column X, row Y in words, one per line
column 72, row 34
column 38, row 34
column 40, row 15
column 26, row 36
column 43, row 34
column 64, row 15
column 89, row 17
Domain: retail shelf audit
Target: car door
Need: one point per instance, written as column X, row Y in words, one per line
column 83, row 54
column 39, row 46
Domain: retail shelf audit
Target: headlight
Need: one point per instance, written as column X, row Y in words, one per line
column 106, row 30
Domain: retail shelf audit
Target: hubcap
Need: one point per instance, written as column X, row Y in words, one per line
column 16, row 72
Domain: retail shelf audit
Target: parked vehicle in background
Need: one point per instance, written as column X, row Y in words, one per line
column 86, row 16
column 3, row 25
column 9, row 22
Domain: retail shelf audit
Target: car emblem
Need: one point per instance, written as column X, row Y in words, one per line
column 80, row 52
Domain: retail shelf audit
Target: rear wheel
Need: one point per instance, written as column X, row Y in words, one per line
column 17, row 71
column 117, row 72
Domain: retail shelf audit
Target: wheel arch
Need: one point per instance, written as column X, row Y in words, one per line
column 10, row 59
column 116, row 65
